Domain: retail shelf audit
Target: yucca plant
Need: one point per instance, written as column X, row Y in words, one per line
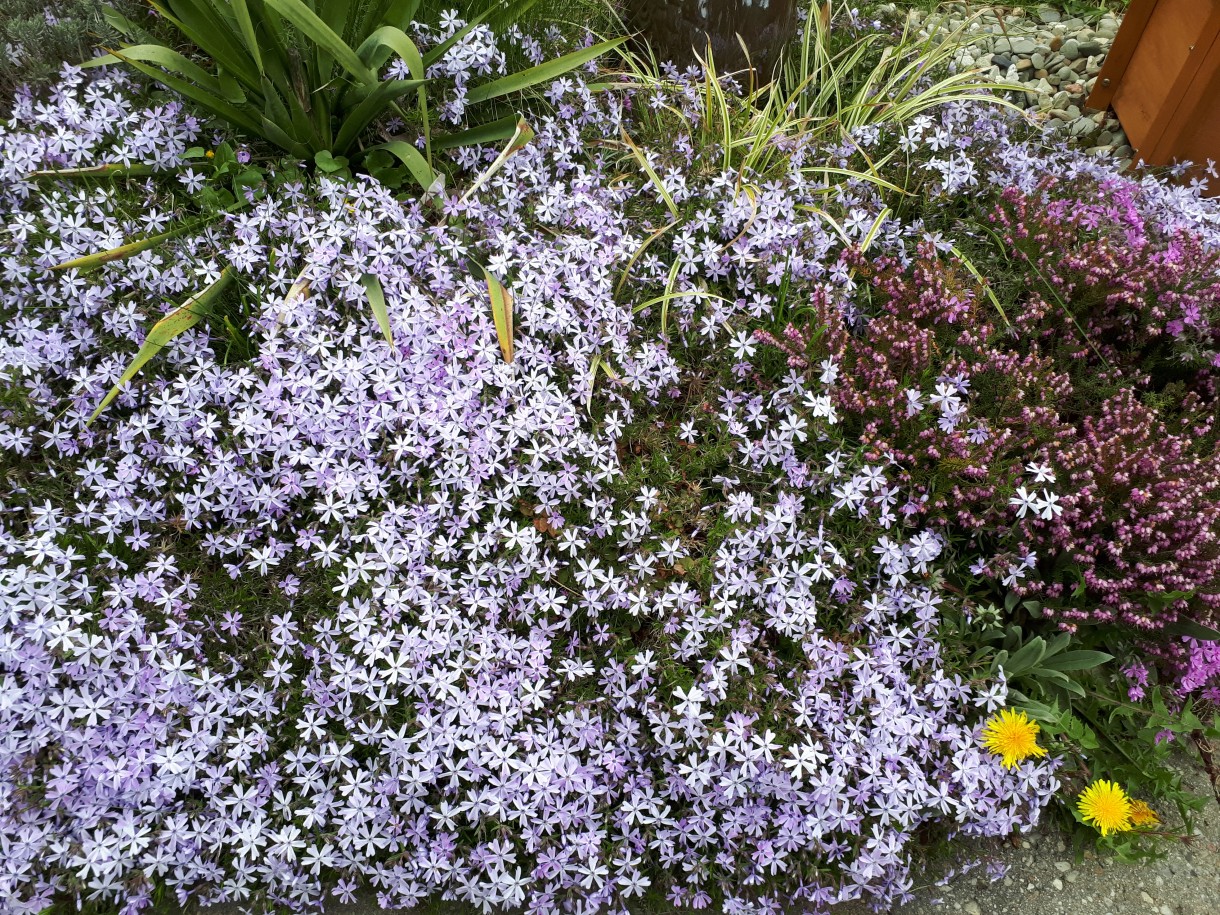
column 304, row 75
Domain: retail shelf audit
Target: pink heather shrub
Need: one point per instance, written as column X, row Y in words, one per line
column 1140, row 520
column 1139, row 515
column 1144, row 299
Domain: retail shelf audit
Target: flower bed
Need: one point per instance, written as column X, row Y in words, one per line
column 648, row 610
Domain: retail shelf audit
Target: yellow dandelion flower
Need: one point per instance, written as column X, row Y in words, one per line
column 1106, row 807
column 1143, row 815
column 1013, row 736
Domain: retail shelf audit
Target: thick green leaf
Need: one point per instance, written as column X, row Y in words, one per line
column 162, row 57
column 373, row 105
column 377, row 48
column 1079, row 659
column 501, row 313
column 109, row 170
column 421, row 171
column 543, row 73
column 400, row 13
column 1026, row 657
column 177, row 322
column 241, row 12
column 216, row 35
column 491, row 132
column 119, row 22
column 92, row 261
column 372, row 286
column 323, row 36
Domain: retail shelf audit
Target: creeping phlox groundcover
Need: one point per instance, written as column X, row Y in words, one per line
column 303, row 612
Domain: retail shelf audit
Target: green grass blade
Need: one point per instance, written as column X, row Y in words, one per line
column 177, row 322
column 372, row 287
column 542, row 73
column 657, row 183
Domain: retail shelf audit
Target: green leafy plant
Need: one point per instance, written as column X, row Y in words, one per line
column 1071, row 689
column 304, row 75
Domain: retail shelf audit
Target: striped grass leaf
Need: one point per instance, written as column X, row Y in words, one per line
column 174, row 324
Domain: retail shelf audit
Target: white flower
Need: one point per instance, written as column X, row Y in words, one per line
column 1042, row 472
column 1024, row 501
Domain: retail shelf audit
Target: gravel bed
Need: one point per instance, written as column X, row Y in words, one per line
column 1053, row 56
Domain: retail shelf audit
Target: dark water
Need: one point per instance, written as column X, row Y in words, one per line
column 678, row 28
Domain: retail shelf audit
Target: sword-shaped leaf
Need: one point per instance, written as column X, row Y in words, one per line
column 122, row 252
column 542, row 73
column 177, row 322
column 109, row 170
column 372, row 286
column 521, row 136
column 432, row 182
column 501, row 313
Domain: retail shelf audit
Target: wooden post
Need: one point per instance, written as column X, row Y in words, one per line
column 1162, row 78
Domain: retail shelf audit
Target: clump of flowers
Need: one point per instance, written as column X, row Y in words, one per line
column 343, row 613
column 1124, row 497
column 1146, row 298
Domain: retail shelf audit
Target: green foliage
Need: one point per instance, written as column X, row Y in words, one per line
column 1072, row 688
column 304, row 75
column 38, row 38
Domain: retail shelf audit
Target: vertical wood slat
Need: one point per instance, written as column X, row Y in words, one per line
column 1121, row 52
column 1162, row 78
column 1190, row 93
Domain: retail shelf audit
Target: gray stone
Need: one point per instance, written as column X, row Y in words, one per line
column 1024, row 46
column 999, row 60
column 1049, row 16
column 1089, row 48
column 1038, row 60
column 1070, row 49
